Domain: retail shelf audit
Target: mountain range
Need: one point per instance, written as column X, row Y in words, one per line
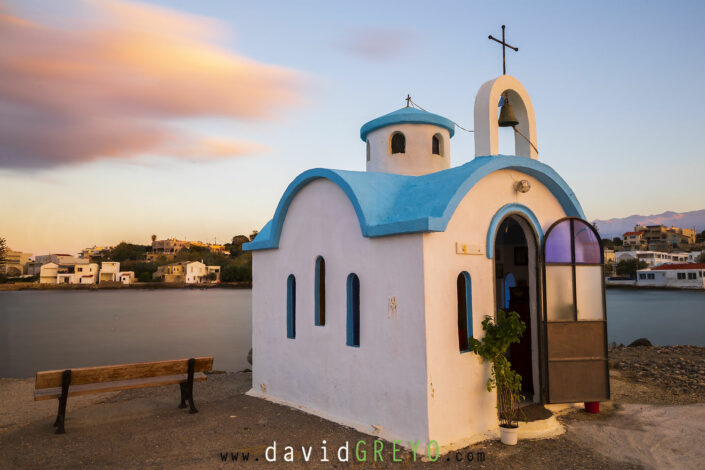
column 616, row 227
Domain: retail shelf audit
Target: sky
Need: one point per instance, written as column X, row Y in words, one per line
column 119, row 120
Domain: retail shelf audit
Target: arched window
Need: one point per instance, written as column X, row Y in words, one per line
column 464, row 285
column 437, row 145
column 320, row 292
column 368, row 150
column 353, row 320
column 291, row 306
column 398, row 144
column 573, row 279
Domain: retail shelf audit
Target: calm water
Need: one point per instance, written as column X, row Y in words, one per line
column 41, row 330
column 666, row 317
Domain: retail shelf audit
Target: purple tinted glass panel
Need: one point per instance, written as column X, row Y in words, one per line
column 587, row 246
column 558, row 244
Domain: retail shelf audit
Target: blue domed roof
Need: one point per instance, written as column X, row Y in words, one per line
column 407, row 116
column 390, row 204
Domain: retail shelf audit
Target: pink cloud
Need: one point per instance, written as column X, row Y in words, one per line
column 109, row 86
column 378, row 43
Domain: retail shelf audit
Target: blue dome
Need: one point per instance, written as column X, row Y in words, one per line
column 407, row 116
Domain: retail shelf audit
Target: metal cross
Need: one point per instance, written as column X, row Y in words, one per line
column 504, row 45
column 408, row 100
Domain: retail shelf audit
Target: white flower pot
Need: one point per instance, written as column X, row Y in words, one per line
column 509, row 436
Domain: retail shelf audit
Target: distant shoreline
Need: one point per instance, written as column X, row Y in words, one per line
column 118, row 286
column 651, row 288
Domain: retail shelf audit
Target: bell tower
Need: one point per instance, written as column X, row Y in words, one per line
column 504, row 89
column 517, row 112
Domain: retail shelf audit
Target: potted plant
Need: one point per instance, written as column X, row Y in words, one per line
column 500, row 333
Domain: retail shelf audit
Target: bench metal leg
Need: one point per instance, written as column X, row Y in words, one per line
column 189, row 385
column 187, row 388
column 182, row 386
column 61, row 414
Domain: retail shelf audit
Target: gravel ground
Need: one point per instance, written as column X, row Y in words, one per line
column 144, row 429
column 678, row 370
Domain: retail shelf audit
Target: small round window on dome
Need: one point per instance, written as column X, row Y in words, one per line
column 437, row 145
column 398, row 143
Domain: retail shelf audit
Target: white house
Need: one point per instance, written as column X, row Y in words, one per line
column 684, row 275
column 126, row 277
column 195, row 272
column 48, row 273
column 85, row 274
column 652, row 258
column 367, row 285
column 109, row 271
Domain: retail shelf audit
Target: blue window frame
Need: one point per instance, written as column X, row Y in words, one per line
column 320, row 292
column 353, row 323
column 464, row 285
column 291, row 307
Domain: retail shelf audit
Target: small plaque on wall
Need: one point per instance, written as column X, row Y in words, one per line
column 467, row 249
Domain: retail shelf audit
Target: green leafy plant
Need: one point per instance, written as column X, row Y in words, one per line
column 500, row 333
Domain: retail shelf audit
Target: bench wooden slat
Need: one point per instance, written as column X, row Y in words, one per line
column 55, row 392
column 121, row 372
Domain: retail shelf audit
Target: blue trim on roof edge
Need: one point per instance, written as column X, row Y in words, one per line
column 379, row 192
column 406, row 116
column 499, row 216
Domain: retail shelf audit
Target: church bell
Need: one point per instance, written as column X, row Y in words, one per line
column 507, row 118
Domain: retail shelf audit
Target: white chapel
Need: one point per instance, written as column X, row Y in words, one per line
column 367, row 284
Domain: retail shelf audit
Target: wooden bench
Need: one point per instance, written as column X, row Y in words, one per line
column 62, row 384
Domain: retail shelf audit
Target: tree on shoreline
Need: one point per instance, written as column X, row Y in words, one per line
column 629, row 267
column 3, row 250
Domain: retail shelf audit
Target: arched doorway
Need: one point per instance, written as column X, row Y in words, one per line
column 575, row 321
column 516, row 289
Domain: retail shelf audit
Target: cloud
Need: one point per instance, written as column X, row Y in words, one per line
column 377, row 43
column 110, row 84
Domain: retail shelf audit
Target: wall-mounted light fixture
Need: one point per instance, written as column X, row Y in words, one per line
column 522, row 186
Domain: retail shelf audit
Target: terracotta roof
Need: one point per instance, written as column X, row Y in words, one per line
column 626, row 234
column 684, row 266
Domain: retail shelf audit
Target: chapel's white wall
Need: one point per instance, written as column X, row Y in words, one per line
column 460, row 408
column 383, row 382
column 418, row 158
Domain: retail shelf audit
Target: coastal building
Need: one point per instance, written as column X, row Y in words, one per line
column 48, row 273
column 34, row 268
column 109, row 271
column 693, row 256
column 95, row 252
column 368, row 284
column 652, row 258
column 60, row 259
column 15, row 263
column 610, row 261
column 659, row 238
column 126, row 277
column 174, row 272
column 170, row 247
column 634, row 240
column 190, row 272
column 85, row 274
column 196, row 272
column 213, row 273
column 684, row 276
